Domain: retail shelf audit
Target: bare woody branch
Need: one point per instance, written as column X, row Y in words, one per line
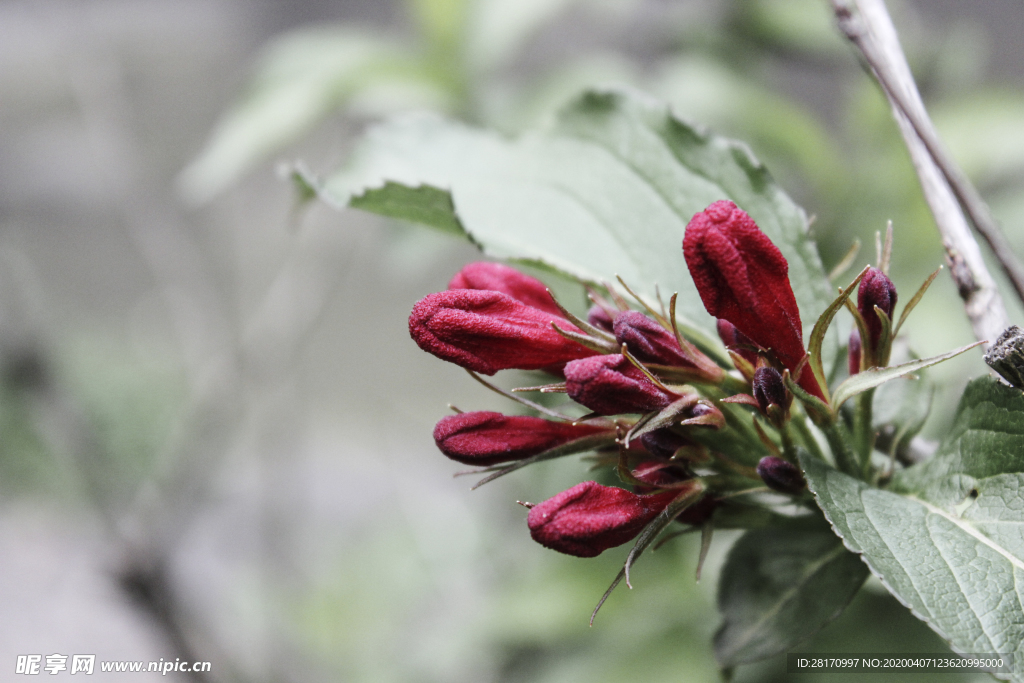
column 866, row 23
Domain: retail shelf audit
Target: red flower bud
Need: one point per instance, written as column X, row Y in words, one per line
column 853, row 352
column 589, row 518
column 769, row 388
column 599, row 318
column 487, row 438
column 781, row 475
column 876, row 289
column 611, row 385
column 736, row 341
column 487, row 331
column 648, row 341
column 743, row 278
column 497, row 277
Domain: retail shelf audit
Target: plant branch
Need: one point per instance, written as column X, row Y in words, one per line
column 866, row 23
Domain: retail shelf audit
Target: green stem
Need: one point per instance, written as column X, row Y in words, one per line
column 864, row 435
column 845, row 458
column 788, row 451
column 811, row 443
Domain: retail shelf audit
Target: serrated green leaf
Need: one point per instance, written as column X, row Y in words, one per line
column 961, row 573
column 872, row 378
column 780, row 586
column 607, row 190
column 423, row 204
column 987, row 440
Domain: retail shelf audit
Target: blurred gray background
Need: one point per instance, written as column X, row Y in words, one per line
column 215, row 430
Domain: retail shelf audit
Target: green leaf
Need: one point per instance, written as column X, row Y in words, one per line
column 606, row 190
column 961, row 573
column 870, row 379
column 987, row 440
column 423, row 204
column 780, row 586
column 303, row 77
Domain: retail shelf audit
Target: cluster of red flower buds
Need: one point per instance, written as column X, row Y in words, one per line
column 654, row 397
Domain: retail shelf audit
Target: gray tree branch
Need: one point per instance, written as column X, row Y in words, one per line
column 866, row 23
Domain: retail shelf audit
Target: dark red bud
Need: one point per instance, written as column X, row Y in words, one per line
column 487, row 438
column 853, row 352
column 648, row 341
column 487, row 331
column 611, row 385
column 743, row 278
column 735, row 340
column 599, row 318
column 589, row 518
column 769, row 388
column 781, row 475
column 699, row 512
column 498, row 277
column 658, row 474
column 876, row 289
column 664, row 443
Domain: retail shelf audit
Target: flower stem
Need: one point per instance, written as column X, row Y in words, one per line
column 807, row 437
column 864, row 435
column 845, row 458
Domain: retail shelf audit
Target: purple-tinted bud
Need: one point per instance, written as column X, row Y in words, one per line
column 589, row 518
column 497, row 277
column 876, row 289
column 781, row 475
column 599, row 318
column 487, row 438
column 663, row 443
column 648, row 341
column 736, row 341
column 769, row 388
column 853, row 352
column 611, row 385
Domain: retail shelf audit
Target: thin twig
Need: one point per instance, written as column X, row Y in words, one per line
column 866, row 23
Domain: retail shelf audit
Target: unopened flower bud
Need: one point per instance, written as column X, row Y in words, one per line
column 1007, row 356
column 659, row 474
column 781, row 475
column 599, row 318
column 664, row 443
column 876, row 289
column 498, row 277
column 589, row 518
column 487, row 438
column 769, row 388
column 736, row 341
column 487, row 331
column 699, row 512
column 648, row 341
column 611, row 385
column 853, row 352
column 743, row 278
